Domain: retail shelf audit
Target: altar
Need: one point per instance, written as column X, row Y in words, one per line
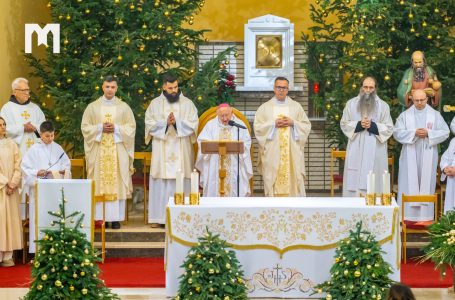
column 286, row 246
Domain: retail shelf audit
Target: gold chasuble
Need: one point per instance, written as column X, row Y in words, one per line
column 281, row 150
column 225, row 134
column 108, row 159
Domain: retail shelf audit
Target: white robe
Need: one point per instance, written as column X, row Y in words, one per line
column 419, row 157
column 448, row 160
column 40, row 156
column 208, row 164
column 365, row 152
column 172, row 150
column 16, row 116
column 452, row 126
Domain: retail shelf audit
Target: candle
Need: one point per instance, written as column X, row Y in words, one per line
column 370, row 183
column 194, row 182
column 386, row 182
column 179, row 182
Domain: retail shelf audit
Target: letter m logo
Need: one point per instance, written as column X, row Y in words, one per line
column 42, row 36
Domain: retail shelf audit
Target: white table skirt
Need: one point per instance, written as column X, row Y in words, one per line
column 286, row 246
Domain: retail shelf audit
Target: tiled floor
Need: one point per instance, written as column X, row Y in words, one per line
column 155, row 294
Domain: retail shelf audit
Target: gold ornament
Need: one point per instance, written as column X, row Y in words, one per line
column 135, row 66
column 116, row 1
column 120, row 22
column 52, row 251
column 226, row 298
column 199, row 98
column 119, row 57
column 68, row 17
column 140, row 91
column 328, row 297
column 127, row 41
column 451, row 50
column 82, row 273
column 190, row 22
column 69, row 80
column 44, row 277
column 424, row 24
column 83, row 73
column 65, row 268
column 71, row 288
column 177, row 34
column 97, row 87
column 84, row 291
column 412, row 29
column 87, row 11
column 387, row 77
column 157, row 3
column 86, row 251
column 146, row 70
column 132, row 6
column 166, row 13
column 48, row 5
column 60, row 17
column 65, row 42
column 57, row 118
column 58, row 283
column 39, row 287
column 393, row 28
column 144, row 26
column 155, row 81
column 84, row 32
column 436, row 10
column 357, row 273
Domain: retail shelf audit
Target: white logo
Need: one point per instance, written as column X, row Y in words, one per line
column 42, row 36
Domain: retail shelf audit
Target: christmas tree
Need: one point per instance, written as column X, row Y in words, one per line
column 352, row 39
column 359, row 271
column 135, row 40
column 441, row 249
column 211, row 272
column 65, row 263
column 212, row 84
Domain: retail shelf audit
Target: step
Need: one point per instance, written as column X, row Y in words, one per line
column 133, row 249
column 131, row 245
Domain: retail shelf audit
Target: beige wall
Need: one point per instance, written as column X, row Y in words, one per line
column 13, row 15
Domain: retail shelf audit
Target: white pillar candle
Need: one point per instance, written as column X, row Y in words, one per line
column 194, row 182
column 179, row 182
column 370, row 182
column 386, row 182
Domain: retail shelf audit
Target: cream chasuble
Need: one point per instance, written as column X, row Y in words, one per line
column 110, row 156
column 284, row 176
column 172, row 148
column 448, row 160
column 209, row 164
column 419, row 157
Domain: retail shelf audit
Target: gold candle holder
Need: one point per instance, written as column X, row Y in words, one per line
column 370, row 199
column 179, row 198
column 194, row 199
column 386, row 199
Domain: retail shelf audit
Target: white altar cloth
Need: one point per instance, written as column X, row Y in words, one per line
column 286, row 246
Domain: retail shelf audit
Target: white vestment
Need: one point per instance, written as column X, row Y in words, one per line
column 110, row 156
column 452, row 126
column 448, row 160
column 40, row 156
column 365, row 151
column 16, row 115
column 172, row 149
column 208, row 164
column 419, row 157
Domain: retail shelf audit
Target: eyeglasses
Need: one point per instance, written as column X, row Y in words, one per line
column 23, row 90
column 281, row 88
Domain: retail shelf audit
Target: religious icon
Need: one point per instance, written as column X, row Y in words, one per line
column 269, row 54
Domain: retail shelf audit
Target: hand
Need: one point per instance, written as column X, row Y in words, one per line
column 9, row 191
column 288, row 122
column 43, row 173
column 28, row 127
column 366, row 123
column 421, row 132
column 108, row 127
column 12, row 186
column 279, row 123
column 449, row 171
column 61, row 172
column 171, row 119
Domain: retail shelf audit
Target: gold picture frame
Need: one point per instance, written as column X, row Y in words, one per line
column 269, row 51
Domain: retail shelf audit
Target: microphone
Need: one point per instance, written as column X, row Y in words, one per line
column 232, row 123
column 60, row 157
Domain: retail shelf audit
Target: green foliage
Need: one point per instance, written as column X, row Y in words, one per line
column 441, row 249
column 134, row 40
column 211, row 272
column 359, row 271
column 65, row 266
column 375, row 38
column 212, row 84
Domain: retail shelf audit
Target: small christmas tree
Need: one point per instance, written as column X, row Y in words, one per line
column 211, row 272
column 65, row 263
column 359, row 271
column 441, row 249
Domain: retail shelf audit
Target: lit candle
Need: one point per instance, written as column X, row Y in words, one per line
column 194, row 182
column 386, row 182
column 179, row 182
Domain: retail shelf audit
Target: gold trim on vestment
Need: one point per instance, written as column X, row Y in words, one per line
column 282, row 183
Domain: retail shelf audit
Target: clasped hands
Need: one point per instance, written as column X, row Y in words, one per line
column 108, row 127
column 284, row 122
column 421, row 132
column 10, row 188
column 170, row 119
column 28, row 127
column 365, row 122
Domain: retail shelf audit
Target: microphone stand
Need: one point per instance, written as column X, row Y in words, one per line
column 45, row 175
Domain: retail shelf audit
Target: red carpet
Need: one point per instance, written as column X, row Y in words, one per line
column 149, row 272
column 116, row 272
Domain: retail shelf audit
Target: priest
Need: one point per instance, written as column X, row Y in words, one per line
column 171, row 123
column 420, row 129
column 225, row 127
column 23, row 118
column 108, row 127
column 447, row 166
column 45, row 159
column 282, row 128
column 367, row 124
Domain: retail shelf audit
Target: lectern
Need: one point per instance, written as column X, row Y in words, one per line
column 222, row 148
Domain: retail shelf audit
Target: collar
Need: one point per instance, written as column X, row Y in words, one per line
column 14, row 100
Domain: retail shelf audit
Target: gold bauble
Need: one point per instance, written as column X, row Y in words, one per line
column 157, row 3
column 132, row 6
column 166, row 13
column 68, row 17
column 451, row 50
column 83, row 73
column 69, row 80
column 84, row 291
column 48, row 5
column 82, row 273
column 65, row 42
column 116, row 1
column 84, row 31
column 199, row 98
column 135, row 66
column 44, row 277
column 58, row 283
column 412, row 29
column 393, row 28
column 64, row 70
column 429, row 36
column 424, row 24
column 357, row 274
column 177, row 33
column 191, row 22
column 71, row 288
column 354, row 86
column 52, row 251
column 39, row 287
column 97, row 88
column 144, row 26
column 120, row 22
column 87, row 11
column 74, row 275
column 140, row 91
column 127, row 41
column 60, row 17
column 57, row 118
column 65, row 268
column 328, row 297
column 119, row 57
column 436, row 10
column 387, row 77
column 155, row 81
column 142, row 48
column 86, row 251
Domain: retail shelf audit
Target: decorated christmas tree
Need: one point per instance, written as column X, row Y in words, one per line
column 359, row 271
column 65, row 263
column 441, row 249
column 212, row 84
column 352, row 39
column 211, row 272
column 135, row 40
